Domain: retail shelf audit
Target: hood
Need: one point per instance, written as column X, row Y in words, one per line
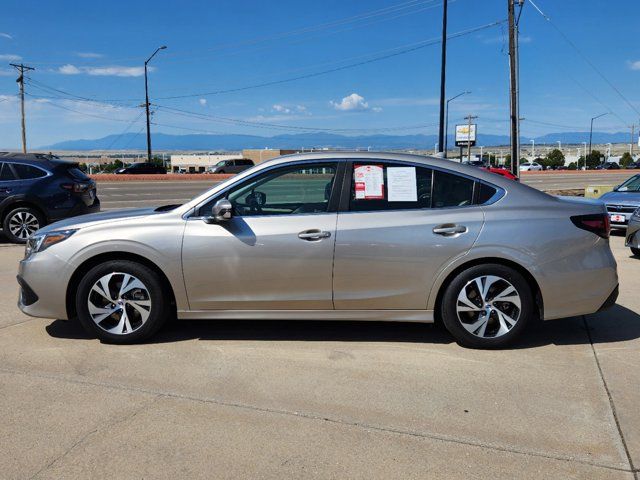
column 621, row 198
column 98, row 218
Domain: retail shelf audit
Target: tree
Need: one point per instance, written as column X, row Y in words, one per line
column 594, row 159
column 572, row 166
column 626, row 160
column 554, row 159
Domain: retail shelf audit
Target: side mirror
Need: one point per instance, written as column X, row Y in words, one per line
column 221, row 211
column 615, row 189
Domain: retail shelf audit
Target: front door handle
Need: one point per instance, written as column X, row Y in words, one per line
column 314, row 234
column 449, row 230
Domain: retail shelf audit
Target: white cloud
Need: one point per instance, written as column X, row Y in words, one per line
column 89, row 55
column 280, row 108
column 112, row 71
column 8, row 57
column 634, row 65
column 6, row 35
column 7, row 73
column 301, row 108
column 202, row 101
column 69, row 69
column 353, row 102
column 377, row 109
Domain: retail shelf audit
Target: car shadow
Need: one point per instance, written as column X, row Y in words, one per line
column 617, row 324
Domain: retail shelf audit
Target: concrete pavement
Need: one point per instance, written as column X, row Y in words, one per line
column 321, row 399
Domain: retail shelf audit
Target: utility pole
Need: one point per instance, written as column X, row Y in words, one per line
column 146, row 103
column 514, row 101
column 443, row 75
column 469, row 118
column 22, row 68
column 633, row 131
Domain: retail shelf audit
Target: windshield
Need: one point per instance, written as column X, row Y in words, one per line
column 631, row 185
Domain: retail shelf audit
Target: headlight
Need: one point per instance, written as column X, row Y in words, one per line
column 39, row 242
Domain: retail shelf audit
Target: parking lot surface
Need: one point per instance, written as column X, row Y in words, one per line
column 250, row 399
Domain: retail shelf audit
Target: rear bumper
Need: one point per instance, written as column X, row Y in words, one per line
column 80, row 208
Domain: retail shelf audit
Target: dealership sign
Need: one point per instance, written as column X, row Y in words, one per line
column 465, row 134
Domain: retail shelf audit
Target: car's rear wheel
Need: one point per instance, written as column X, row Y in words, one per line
column 487, row 306
column 122, row 302
column 20, row 223
column 635, row 251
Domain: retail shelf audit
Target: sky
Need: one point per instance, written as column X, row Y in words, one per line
column 268, row 68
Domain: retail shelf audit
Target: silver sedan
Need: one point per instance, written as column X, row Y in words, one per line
column 331, row 236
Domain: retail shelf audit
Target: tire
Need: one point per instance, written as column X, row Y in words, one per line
column 144, row 302
column 222, row 172
column 465, row 318
column 21, row 222
column 635, row 251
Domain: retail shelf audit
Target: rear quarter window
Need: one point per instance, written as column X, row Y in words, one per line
column 28, row 172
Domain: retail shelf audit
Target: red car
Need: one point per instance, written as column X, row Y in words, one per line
column 503, row 172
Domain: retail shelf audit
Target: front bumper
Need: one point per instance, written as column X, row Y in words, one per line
column 632, row 237
column 43, row 280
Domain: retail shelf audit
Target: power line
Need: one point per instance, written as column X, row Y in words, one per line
column 585, row 58
column 418, row 46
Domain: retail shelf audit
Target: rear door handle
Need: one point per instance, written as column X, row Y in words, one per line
column 448, row 230
column 314, row 234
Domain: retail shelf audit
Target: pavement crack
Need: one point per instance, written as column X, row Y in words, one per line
column 317, row 417
column 634, row 470
column 83, row 438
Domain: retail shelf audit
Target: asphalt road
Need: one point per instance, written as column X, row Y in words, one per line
column 256, row 399
column 139, row 194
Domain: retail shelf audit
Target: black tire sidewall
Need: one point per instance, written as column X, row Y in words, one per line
column 5, row 223
column 635, row 251
column 159, row 301
column 450, row 298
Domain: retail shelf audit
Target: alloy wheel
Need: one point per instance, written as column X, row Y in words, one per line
column 23, row 224
column 119, row 303
column 488, row 306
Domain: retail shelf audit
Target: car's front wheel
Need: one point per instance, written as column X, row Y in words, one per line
column 20, row 223
column 487, row 306
column 122, row 302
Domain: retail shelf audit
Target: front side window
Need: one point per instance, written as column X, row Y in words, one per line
column 27, row 172
column 221, row 164
column 301, row 189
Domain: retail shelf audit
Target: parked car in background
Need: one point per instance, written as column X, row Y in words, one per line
column 632, row 237
column 501, row 171
column 530, row 167
column 231, row 166
column 142, row 168
column 38, row 189
column 608, row 166
column 341, row 236
column 622, row 202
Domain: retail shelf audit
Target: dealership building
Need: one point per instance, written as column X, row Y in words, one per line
column 201, row 163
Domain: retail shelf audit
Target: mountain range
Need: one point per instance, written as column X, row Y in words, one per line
column 234, row 142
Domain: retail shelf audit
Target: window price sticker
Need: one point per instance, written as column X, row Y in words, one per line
column 402, row 184
column 369, row 180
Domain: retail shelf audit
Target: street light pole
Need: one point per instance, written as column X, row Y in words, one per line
column 533, row 149
column 146, row 103
column 591, row 134
column 446, row 121
column 443, row 75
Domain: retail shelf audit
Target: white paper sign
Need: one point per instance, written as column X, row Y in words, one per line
column 369, row 180
column 402, row 184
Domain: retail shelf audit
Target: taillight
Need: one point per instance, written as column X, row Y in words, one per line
column 76, row 187
column 597, row 223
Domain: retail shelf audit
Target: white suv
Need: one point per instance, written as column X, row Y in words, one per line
column 530, row 167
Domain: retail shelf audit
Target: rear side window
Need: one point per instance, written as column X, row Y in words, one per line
column 379, row 186
column 451, row 190
column 245, row 162
column 5, row 172
column 28, row 172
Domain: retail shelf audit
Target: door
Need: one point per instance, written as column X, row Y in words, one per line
column 391, row 245
column 8, row 182
column 276, row 252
